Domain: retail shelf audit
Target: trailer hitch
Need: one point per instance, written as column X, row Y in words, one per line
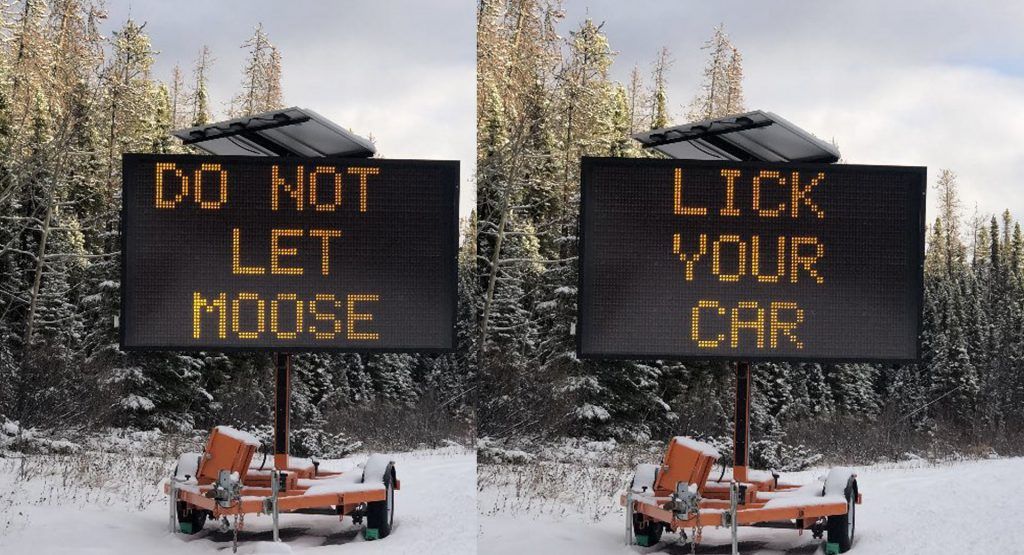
column 685, row 501
column 227, row 489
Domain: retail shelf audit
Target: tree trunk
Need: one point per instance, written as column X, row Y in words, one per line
column 493, row 277
column 40, row 266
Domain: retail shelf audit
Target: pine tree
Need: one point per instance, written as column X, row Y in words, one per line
column 199, row 98
column 273, row 97
column 952, row 248
column 71, row 103
column 261, row 79
column 1016, row 255
column 517, row 51
column 177, row 98
column 734, row 103
column 937, row 260
column 635, row 99
column 659, row 83
column 149, row 390
column 721, row 91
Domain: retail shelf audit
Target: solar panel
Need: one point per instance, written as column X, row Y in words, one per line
column 753, row 136
column 287, row 132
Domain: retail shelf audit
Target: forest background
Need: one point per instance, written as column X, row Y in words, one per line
column 73, row 100
column 544, row 100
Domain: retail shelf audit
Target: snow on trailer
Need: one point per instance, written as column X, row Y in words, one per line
column 224, row 481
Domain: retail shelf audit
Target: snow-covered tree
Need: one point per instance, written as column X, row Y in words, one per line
column 721, row 89
column 261, row 78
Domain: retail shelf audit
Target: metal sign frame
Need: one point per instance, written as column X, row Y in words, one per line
column 451, row 247
column 587, row 163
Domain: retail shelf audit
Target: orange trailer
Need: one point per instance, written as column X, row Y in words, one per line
column 224, row 481
column 679, row 494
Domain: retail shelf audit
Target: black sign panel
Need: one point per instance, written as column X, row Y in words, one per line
column 751, row 261
column 235, row 252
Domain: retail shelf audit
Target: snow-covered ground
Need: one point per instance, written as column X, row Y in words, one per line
column 909, row 508
column 63, row 509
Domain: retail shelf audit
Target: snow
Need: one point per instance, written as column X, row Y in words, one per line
column 754, row 475
column 593, row 412
column 138, row 403
column 909, row 508
column 244, row 437
column 261, row 548
column 644, row 477
column 547, row 305
column 811, row 489
column 837, row 479
column 14, row 436
column 803, row 501
column 188, row 465
column 375, row 467
column 345, row 483
column 10, row 428
column 698, row 446
column 435, row 512
column 297, row 463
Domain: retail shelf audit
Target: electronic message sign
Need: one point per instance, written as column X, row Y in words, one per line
column 750, row 261
column 267, row 253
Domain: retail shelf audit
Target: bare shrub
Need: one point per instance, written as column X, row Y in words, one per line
column 394, row 427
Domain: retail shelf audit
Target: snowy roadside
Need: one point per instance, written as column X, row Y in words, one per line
column 909, row 507
column 75, row 504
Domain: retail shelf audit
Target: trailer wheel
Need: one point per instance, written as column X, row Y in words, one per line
column 380, row 515
column 646, row 532
column 842, row 527
column 190, row 519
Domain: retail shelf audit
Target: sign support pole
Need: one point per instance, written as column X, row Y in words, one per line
column 741, row 435
column 282, row 405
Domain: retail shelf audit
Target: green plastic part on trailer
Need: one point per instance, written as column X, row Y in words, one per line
column 831, row 548
column 372, row 534
column 643, row 540
column 185, row 527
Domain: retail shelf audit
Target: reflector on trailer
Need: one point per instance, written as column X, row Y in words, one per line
column 288, row 132
column 753, row 136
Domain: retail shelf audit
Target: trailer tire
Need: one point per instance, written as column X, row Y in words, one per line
column 646, row 532
column 841, row 528
column 380, row 515
column 190, row 519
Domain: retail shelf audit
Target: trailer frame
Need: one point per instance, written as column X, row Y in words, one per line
column 682, row 495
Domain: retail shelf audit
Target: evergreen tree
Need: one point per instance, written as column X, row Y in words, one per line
column 721, row 90
column 659, row 96
column 261, row 79
column 199, row 98
column 635, row 99
column 177, row 97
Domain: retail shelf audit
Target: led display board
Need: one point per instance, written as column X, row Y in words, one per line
column 683, row 259
column 284, row 254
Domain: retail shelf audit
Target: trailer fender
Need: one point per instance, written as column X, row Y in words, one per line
column 644, row 476
column 837, row 481
column 376, row 467
column 187, row 467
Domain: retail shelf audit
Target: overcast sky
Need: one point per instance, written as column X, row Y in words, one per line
column 401, row 70
column 935, row 83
